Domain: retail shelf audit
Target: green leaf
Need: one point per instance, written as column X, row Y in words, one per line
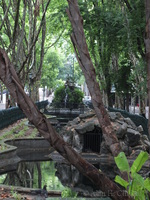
column 121, row 181
column 136, row 188
column 147, row 184
column 140, row 195
column 122, row 162
column 138, row 180
column 140, row 160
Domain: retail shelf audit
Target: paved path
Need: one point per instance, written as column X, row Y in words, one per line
column 2, row 106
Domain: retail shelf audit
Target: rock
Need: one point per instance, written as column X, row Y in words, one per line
column 113, row 116
column 145, row 141
column 87, row 115
column 67, row 136
column 104, row 149
column 130, row 123
column 65, row 176
column 120, row 129
column 139, row 147
column 133, row 137
column 74, row 122
column 140, row 129
column 96, row 123
column 77, row 145
column 135, row 153
column 125, row 148
column 130, row 136
column 86, row 127
column 144, row 138
column 119, row 116
column 75, row 176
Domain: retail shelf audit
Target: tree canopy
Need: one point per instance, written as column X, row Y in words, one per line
column 32, row 31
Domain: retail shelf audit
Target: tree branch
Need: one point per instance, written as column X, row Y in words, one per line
column 6, row 13
column 36, row 37
column 16, row 23
column 81, row 49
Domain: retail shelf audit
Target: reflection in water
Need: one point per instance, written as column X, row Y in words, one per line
column 51, row 198
column 72, row 178
column 56, row 175
column 33, row 175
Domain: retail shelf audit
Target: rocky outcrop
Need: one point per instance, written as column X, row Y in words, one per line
column 85, row 131
column 130, row 136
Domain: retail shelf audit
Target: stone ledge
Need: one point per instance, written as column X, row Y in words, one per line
column 24, row 149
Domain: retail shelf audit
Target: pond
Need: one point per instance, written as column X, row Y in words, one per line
column 56, row 175
column 33, row 175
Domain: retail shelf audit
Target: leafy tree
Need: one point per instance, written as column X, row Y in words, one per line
column 123, row 83
column 50, row 69
column 114, row 31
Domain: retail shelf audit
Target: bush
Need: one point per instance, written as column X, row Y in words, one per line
column 67, row 192
column 67, row 97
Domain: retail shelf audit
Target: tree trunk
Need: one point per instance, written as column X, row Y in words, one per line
column 127, row 101
column 147, row 45
column 142, row 109
column 39, row 175
column 82, row 54
column 12, row 82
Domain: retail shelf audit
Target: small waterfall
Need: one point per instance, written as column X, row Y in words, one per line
column 66, row 97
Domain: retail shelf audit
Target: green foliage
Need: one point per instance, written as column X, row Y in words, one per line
column 48, row 174
column 20, row 129
column 123, row 83
column 72, row 96
column 34, row 133
column 52, row 63
column 140, row 86
column 15, row 195
column 122, row 162
column 67, row 192
column 136, row 186
column 3, row 147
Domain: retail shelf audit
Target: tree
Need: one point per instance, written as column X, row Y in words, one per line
column 41, row 123
column 21, row 27
column 82, row 54
column 122, row 81
column 50, row 69
column 147, row 45
column 114, row 31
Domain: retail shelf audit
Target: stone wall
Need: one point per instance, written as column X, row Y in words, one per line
column 131, row 137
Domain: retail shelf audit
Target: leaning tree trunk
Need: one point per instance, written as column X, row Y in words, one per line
column 147, row 45
column 82, row 54
column 12, row 82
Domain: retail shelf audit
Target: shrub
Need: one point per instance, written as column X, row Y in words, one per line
column 136, row 185
column 67, row 97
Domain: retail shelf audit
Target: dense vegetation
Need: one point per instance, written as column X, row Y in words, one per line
column 67, row 97
column 36, row 35
column 115, row 33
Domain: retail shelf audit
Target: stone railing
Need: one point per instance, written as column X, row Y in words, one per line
column 11, row 115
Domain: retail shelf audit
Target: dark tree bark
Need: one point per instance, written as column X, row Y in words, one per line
column 39, row 175
column 82, row 54
column 147, row 45
column 12, row 82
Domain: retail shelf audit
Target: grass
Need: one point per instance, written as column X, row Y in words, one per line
column 18, row 130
